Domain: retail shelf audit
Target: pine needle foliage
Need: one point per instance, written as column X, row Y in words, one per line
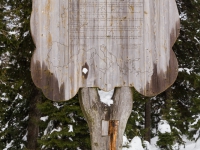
column 65, row 127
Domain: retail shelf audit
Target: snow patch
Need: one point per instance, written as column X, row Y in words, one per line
column 9, row 145
column 56, row 130
column 71, row 116
column 164, row 127
column 6, row 126
column 70, row 128
column 135, row 144
column 185, row 69
column 19, row 96
column 125, row 141
column 105, row 97
column 45, row 118
column 25, row 137
column 57, row 105
column 147, row 145
column 49, row 127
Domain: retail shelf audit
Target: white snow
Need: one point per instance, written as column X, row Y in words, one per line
column 6, row 126
column 125, row 140
column 49, row 128
column 164, row 127
column 147, row 145
column 70, row 128
column 105, row 97
column 85, row 70
column 71, row 116
column 57, row 105
column 185, row 69
column 56, row 130
column 22, row 146
column 135, row 144
column 45, row 118
column 8, row 146
column 25, row 137
column 18, row 96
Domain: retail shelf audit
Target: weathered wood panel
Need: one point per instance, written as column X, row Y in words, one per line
column 117, row 43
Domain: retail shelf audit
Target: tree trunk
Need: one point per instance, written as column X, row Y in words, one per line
column 148, row 120
column 34, row 117
column 106, row 124
column 168, row 97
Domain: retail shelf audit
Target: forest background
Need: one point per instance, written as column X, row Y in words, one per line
column 29, row 121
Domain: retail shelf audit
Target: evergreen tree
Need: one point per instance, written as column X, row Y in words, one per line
column 179, row 103
column 20, row 117
column 64, row 126
column 17, row 89
column 186, row 89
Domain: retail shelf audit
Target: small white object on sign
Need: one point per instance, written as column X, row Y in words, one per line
column 85, row 70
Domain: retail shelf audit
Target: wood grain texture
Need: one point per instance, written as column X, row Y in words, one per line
column 120, row 43
column 95, row 111
column 113, row 131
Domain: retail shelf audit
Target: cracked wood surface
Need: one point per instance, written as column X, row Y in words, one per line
column 120, row 43
column 117, row 115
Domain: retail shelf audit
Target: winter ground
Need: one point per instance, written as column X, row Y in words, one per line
column 163, row 127
column 135, row 143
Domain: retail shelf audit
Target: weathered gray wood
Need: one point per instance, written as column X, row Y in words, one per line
column 120, row 43
column 105, row 128
column 95, row 111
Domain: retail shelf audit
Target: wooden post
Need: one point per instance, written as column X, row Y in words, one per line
column 102, row 118
column 113, row 129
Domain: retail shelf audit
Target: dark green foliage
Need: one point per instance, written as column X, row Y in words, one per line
column 165, row 141
column 16, row 86
column 186, row 89
column 62, row 116
column 135, row 125
column 18, row 90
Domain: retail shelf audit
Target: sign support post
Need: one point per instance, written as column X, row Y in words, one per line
column 97, row 114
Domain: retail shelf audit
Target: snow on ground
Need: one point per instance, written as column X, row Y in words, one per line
column 105, row 97
column 136, row 144
column 163, row 127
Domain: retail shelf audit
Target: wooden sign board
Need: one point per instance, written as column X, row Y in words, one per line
column 105, row 44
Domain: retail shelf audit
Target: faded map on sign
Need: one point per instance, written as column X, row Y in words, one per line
column 119, row 43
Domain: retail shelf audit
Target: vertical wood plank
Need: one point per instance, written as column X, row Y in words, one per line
column 113, row 131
